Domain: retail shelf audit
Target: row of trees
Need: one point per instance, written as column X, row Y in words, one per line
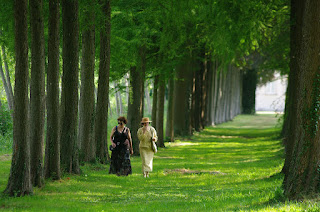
column 201, row 55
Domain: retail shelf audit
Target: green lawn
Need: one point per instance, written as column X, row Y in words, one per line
column 232, row 167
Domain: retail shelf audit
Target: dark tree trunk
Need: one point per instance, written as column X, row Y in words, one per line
column 19, row 183
column 182, row 90
column 101, row 121
column 170, row 112
column 197, row 99
column 69, row 148
column 37, row 92
column 154, row 101
column 204, row 95
column 135, row 106
column 52, row 156
column 86, row 112
column 302, row 179
column 249, row 91
column 160, row 111
column 291, row 104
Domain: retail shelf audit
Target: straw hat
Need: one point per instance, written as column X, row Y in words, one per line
column 145, row 120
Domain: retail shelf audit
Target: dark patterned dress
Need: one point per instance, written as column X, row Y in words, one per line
column 120, row 158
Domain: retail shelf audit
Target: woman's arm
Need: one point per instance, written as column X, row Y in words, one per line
column 131, row 147
column 111, row 137
column 154, row 135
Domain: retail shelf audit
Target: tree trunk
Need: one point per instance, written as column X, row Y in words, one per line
column 135, row 106
column 204, row 95
column 291, row 104
column 52, row 156
column 182, row 104
column 170, row 120
column 146, row 93
column 6, row 86
column 154, row 101
column 249, row 91
column 70, row 80
column 101, row 122
column 19, row 183
column 7, row 72
column 5, row 61
column 198, row 98
column 37, row 92
column 87, row 87
column 302, row 179
column 160, row 111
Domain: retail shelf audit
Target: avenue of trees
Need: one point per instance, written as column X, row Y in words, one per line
column 191, row 63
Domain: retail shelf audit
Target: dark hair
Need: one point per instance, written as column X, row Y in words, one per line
column 123, row 119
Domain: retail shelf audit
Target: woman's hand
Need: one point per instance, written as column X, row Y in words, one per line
column 114, row 145
column 131, row 151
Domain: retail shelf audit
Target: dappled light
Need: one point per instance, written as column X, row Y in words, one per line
column 207, row 172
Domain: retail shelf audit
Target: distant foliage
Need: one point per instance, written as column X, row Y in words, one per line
column 5, row 130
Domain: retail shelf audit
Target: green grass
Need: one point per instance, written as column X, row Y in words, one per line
column 232, row 167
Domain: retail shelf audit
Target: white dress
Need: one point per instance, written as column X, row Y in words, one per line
column 145, row 148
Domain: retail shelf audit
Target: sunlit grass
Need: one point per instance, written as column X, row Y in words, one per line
column 223, row 168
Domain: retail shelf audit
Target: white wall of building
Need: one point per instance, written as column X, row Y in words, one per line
column 271, row 96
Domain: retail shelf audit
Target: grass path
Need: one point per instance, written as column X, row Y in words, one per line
column 232, row 167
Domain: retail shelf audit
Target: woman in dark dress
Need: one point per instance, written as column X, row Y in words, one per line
column 121, row 149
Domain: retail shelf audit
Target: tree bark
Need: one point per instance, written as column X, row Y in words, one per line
column 87, row 87
column 37, row 92
column 154, row 101
column 19, row 183
column 249, row 91
column 135, row 106
column 5, row 61
column 147, row 95
column 160, row 111
column 70, row 82
column 302, row 179
column 6, row 86
column 7, row 72
column 170, row 112
column 101, row 121
column 204, row 95
column 182, row 104
column 52, row 156
column 291, row 104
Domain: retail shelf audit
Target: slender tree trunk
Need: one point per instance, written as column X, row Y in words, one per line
column 198, row 99
column 146, row 93
column 160, row 111
column 204, row 96
column 154, row 101
column 170, row 120
column 70, row 81
column 249, row 91
column 87, row 87
column 19, row 183
column 101, row 122
column 37, row 92
column 135, row 106
column 6, row 87
column 52, row 156
column 7, row 73
column 302, row 179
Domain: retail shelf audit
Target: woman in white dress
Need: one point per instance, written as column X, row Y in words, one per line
column 146, row 134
